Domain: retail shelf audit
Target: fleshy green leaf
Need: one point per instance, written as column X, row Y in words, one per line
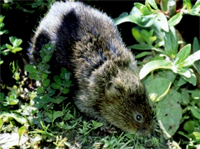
column 195, row 45
column 169, row 113
column 142, row 46
column 59, row 99
column 195, row 112
column 55, row 86
column 124, row 17
column 158, row 88
column 21, row 130
column 188, row 75
column 17, row 117
column 171, row 43
column 152, row 3
column 40, row 90
column 57, row 114
column 142, row 54
column 66, row 90
column 44, row 75
column 191, row 59
column 30, row 68
column 9, row 46
column 175, row 19
column 187, row 4
column 57, row 79
column 162, row 21
column 12, row 39
column 14, row 50
column 183, row 54
column 17, row 42
column 153, row 65
column 46, row 82
column 189, row 126
column 137, row 35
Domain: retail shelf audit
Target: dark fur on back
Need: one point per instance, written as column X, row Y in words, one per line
column 87, row 43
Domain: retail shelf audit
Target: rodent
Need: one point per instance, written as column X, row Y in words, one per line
column 87, row 43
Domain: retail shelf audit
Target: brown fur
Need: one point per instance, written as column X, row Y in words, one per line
column 88, row 44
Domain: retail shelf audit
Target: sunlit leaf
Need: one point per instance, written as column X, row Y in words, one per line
column 183, row 54
column 137, row 35
column 153, row 65
column 191, row 59
column 175, row 19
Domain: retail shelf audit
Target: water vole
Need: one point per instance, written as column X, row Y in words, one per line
column 87, row 43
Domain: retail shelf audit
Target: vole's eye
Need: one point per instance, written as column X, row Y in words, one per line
column 138, row 117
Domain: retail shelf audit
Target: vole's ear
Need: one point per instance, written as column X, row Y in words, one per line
column 113, row 89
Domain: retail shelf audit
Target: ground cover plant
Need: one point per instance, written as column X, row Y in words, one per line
column 37, row 110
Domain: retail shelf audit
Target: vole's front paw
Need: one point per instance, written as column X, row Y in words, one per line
column 108, row 129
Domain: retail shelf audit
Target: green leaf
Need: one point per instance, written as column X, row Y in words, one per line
column 196, row 94
column 169, row 113
column 152, row 3
column 195, row 136
column 35, row 76
column 65, row 90
column 124, row 17
column 137, row 35
column 153, row 65
column 46, row 82
column 44, row 75
column 1, row 18
column 59, row 99
column 46, row 58
column 21, row 130
column 191, row 59
column 57, row 114
column 141, row 15
column 183, row 54
column 147, row 36
column 16, row 116
column 158, row 88
column 57, row 79
column 12, row 39
column 9, row 46
column 30, row 68
column 188, row 75
column 14, row 50
column 185, row 97
column 17, row 42
column 96, row 124
column 187, row 4
column 171, row 43
column 143, row 54
column 1, row 123
column 175, row 19
column 189, row 126
column 40, row 90
column 55, row 86
column 195, row 45
column 142, row 46
column 195, row 112
column 162, row 21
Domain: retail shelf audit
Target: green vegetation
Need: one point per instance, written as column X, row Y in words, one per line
column 37, row 111
column 173, row 65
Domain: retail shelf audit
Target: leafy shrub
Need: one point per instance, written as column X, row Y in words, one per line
column 172, row 65
column 35, row 111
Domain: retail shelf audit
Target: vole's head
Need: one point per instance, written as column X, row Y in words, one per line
column 126, row 104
